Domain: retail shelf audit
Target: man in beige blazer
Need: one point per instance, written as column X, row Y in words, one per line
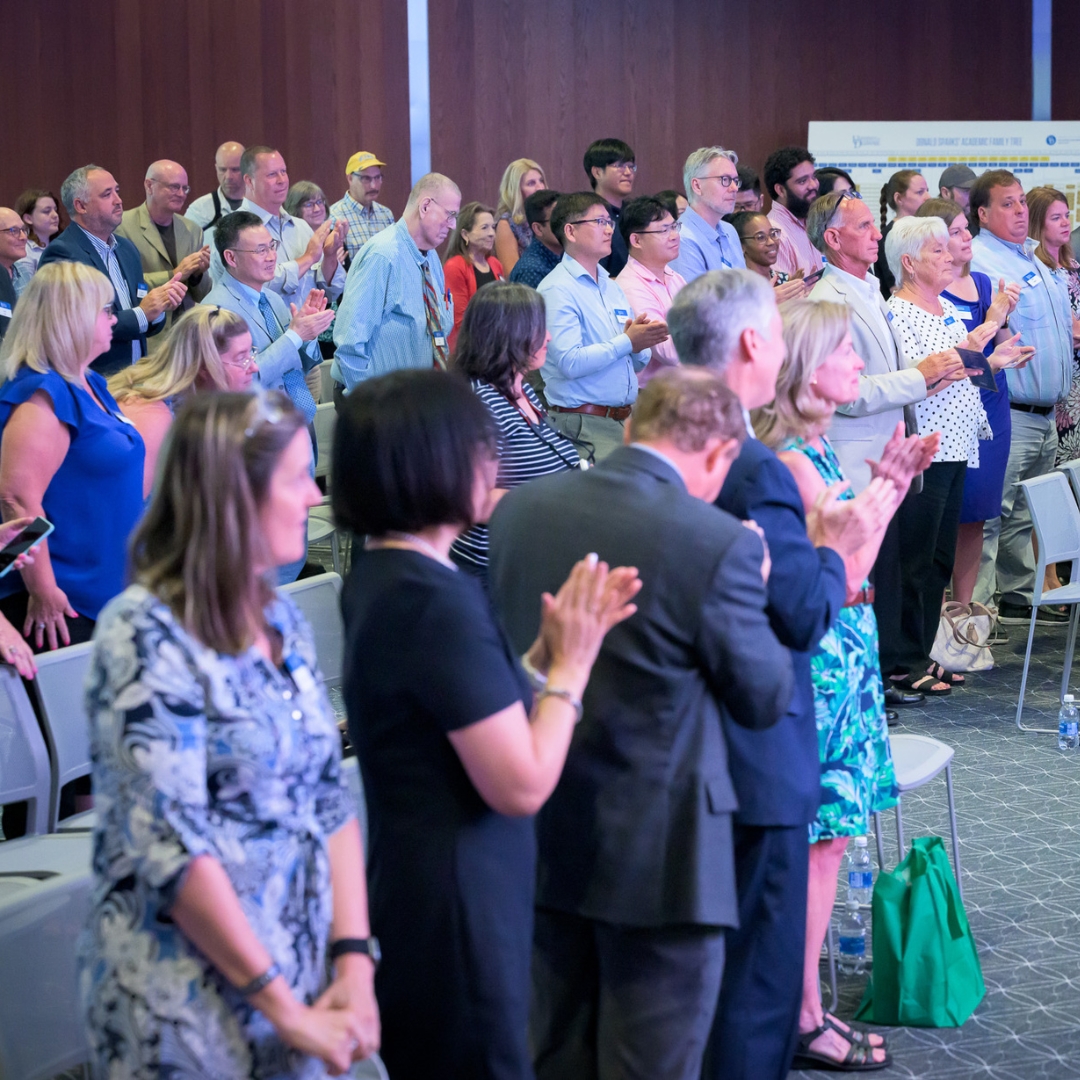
column 167, row 243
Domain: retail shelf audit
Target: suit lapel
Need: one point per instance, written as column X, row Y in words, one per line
column 857, row 306
column 150, row 232
column 260, row 338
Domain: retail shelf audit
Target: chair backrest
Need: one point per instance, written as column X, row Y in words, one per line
column 318, row 599
column 25, row 772
column 59, row 688
column 326, row 385
column 1056, row 518
column 325, row 419
column 1072, row 470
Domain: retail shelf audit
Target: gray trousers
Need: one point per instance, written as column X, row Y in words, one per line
column 1008, row 561
column 601, row 433
column 622, row 1003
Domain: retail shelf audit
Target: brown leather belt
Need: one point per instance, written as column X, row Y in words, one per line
column 611, row 412
column 863, row 596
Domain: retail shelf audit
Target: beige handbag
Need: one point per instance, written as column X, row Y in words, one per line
column 963, row 638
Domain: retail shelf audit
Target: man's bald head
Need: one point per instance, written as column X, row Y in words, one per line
column 167, row 189
column 12, row 244
column 227, row 164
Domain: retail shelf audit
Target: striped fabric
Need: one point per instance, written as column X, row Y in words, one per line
column 525, row 452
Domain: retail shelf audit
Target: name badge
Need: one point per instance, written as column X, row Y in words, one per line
column 949, row 321
column 622, row 313
column 1031, row 279
column 889, row 315
column 142, row 290
column 5, row 310
column 300, row 672
column 963, row 312
column 439, row 338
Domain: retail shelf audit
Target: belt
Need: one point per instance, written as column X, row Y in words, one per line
column 611, row 412
column 1038, row 410
column 863, row 596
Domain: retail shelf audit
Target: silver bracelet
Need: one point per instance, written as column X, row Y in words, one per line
column 537, row 680
column 565, row 695
column 260, row 982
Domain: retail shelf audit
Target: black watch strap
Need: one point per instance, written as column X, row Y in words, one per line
column 368, row 946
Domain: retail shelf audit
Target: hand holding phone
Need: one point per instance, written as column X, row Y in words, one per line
column 33, row 532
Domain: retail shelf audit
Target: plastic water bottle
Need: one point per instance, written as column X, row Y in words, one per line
column 1067, row 724
column 852, row 959
column 860, row 876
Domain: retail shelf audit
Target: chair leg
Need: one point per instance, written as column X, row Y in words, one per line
column 952, row 827
column 877, row 841
column 335, row 553
column 899, row 833
column 1070, row 646
column 1023, row 681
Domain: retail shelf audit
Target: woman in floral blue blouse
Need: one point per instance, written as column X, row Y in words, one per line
column 227, row 857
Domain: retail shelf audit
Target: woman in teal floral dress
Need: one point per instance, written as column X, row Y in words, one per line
column 820, row 372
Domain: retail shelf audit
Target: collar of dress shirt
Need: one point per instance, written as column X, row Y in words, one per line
column 405, row 237
column 662, row 456
column 98, row 242
column 1025, row 250
column 748, row 422
column 575, row 269
column 635, row 266
column 785, row 215
column 283, row 219
column 358, row 207
column 868, row 286
column 699, row 225
column 252, row 294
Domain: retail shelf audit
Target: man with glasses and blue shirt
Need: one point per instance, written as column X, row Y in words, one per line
column 711, row 180
column 1043, row 318
column 597, row 344
column 396, row 312
column 610, row 167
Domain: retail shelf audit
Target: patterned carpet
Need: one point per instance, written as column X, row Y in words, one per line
column 1018, row 812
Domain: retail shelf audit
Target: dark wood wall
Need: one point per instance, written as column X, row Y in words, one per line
column 122, row 83
column 542, row 80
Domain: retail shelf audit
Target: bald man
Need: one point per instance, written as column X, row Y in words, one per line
column 12, row 249
column 207, row 210
column 167, row 243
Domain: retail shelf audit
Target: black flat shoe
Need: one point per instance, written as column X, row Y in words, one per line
column 892, row 718
column 895, row 697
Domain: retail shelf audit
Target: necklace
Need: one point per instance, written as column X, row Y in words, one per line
column 415, row 541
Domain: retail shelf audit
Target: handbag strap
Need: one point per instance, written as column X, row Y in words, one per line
column 953, row 612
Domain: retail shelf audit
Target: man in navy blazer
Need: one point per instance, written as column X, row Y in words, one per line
column 92, row 199
column 728, row 322
column 635, row 879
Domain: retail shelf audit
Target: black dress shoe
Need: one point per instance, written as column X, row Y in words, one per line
column 892, row 718
column 895, row 696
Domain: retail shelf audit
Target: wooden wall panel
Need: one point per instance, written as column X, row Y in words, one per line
column 543, row 80
column 126, row 82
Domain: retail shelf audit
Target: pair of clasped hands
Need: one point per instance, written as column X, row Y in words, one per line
column 942, row 369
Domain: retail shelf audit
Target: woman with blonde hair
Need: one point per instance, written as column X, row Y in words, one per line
column 67, row 453
column 512, row 233
column 208, row 348
column 229, row 874
column 821, row 371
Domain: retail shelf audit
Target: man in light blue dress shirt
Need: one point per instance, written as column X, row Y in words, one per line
column 384, row 322
column 708, row 242
column 597, row 344
column 1043, row 318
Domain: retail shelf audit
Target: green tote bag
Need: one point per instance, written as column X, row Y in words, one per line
column 926, row 970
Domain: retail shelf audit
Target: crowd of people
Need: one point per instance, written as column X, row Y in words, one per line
column 657, row 499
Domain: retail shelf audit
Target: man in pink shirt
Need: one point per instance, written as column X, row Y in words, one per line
column 792, row 186
column 652, row 240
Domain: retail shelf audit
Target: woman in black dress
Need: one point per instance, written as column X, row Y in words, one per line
column 455, row 750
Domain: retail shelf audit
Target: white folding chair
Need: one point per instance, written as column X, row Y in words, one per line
column 325, row 421
column 25, row 770
column 45, row 889
column 318, row 600
column 59, row 689
column 1056, row 519
column 327, row 382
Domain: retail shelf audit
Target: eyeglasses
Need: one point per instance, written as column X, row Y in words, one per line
column 16, row 231
column 172, row 189
column 367, row 179
column 266, row 411
column 246, row 364
column 625, row 166
column 725, row 181
column 664, row 230
column 262, row 250
column 451, row 215
column 603, row 222
column 761, row 237
column 308, row 204
column 851, row 193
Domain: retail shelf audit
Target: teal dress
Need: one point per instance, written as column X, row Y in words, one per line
column 857, row 775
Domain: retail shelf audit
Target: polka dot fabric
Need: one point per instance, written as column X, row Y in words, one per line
column 957, row 411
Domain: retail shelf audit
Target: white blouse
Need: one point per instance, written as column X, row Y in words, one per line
column 957, row 411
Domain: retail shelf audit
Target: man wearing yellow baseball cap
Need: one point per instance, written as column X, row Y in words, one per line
column 358, row 207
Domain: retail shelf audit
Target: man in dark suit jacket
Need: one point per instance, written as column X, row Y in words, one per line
column 12, row 249
column 636, row 879
column 92, row 199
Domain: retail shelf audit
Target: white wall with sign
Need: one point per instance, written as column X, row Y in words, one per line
column 1037, row 152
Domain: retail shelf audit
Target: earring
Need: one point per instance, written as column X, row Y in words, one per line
column 813, row 380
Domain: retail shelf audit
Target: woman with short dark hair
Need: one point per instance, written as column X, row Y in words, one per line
column 503, row 339
column 456, row 752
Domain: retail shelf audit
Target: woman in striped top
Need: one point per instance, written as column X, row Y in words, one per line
column 502, row 338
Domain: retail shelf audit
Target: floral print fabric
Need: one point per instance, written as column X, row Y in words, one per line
column 200, row 753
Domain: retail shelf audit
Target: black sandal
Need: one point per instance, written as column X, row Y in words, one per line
column 942, row 675
column 859, row 1058
column 854, row 1034
column 919, row 684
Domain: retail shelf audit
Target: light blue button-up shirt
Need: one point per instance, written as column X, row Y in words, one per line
column 107, row 254
column 1043, row 317
column 381, row 324
column 590, row 359
column 703, row 248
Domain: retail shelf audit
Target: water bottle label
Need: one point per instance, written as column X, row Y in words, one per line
column 853, row 946
column 860, row 879
column 1070, row 729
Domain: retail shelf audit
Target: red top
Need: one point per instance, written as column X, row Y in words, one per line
column 460, row 278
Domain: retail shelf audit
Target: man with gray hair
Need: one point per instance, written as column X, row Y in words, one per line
column 91, row 197
column 395, row 311
column 711, row 180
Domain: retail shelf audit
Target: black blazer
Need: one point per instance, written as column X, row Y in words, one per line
column 7, row 297
column 777, row 772
column 73, row 245
column 638, row 830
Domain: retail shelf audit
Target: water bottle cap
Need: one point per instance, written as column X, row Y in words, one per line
column 1067, row 698
column 852, row 905
column 860, row 841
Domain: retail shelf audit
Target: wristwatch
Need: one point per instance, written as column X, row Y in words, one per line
column 368, row 946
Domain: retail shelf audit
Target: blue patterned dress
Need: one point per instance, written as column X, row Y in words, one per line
column 195, row 753
column 857, row 775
